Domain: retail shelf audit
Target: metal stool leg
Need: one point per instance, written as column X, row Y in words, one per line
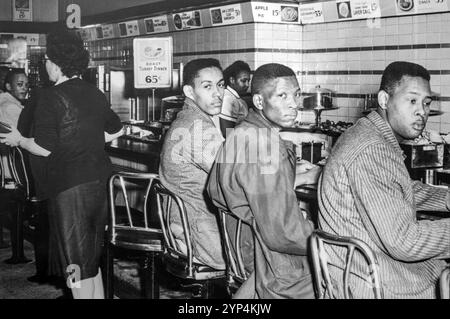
column 18, row 256
column 3, row 243
column 151, row 279
column 109, row 271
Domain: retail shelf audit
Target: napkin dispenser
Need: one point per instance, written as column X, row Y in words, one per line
column 423, row 155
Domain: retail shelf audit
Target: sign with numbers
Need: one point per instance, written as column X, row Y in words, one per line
column 152, row 62
column 274, row 12
column 22, row 10
column 231, row 14
column 156, row 24
column 187, row 20
column 129, row 28
column 108, row 31
column 420, row 6
column 357, row 9
column 311, row 13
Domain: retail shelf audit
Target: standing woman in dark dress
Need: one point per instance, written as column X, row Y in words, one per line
column 72, row 122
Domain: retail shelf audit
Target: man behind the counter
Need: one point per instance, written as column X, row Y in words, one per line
column 254, row 177
column 189, row 149
column 365, row 192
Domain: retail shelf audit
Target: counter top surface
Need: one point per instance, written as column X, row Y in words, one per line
column 124, row 145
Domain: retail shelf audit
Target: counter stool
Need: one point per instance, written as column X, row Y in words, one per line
column 444, row 283
column 323, row 285
column 130, row 228
column 178, row 262
column 231, row 231
column 15, row 193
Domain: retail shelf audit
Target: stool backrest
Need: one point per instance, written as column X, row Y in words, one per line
column 444, row 283
column 14, row 159
column 2, row 169
column 322, row 280
column 18, row 169
column 231, row 240
column 129, row 205
column 169, row 204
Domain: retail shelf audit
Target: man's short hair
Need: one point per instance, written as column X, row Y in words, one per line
column 268, row 72
column 394, row 72
column 234, row 69
column 9, row 78
column 192, row 68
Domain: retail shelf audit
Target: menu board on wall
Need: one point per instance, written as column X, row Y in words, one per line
column 129, row 28
column 311, row 13
column 187, row 20
column 22, row 10
column 156, row 24
column 358, row 9
column 86, row 34
column 99, row 32
column 108, row 31
column 231, row 14
column 404, row 7
column 274, row 12
column 152, row 62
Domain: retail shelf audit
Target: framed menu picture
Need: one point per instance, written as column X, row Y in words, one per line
column 231, row 14
column 156, row 24
column 22, row 10
column 152, row 62
column 122, row 29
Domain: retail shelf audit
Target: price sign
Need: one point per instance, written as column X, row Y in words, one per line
column 226, row 15
column 152, row 62
column 311, row 13
column 107, row 31
column 22, row 10
column 274, row 12
column 156, row 24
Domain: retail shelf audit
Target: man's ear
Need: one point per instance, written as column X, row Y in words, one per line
column 232, row 80
column 258, row 101
column 383, row 98
column 188, row 91
column 8, row 87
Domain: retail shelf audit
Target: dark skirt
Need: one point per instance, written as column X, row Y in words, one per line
column 77, row 220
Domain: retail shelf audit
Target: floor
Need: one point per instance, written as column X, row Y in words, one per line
column 14, row 283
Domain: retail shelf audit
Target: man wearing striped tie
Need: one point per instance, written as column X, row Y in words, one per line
column 366, row 192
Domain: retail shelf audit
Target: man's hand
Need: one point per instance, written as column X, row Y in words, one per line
column 306, row 173
column 11, row 139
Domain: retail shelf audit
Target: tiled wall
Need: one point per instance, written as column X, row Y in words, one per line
column 347, row 57
column 227, row 44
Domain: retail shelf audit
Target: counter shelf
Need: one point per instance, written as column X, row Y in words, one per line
column 318, row 111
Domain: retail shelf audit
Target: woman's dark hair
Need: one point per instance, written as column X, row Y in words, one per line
column 268, row 72
column 65, row 48
column 192, row 68
column 234, row 69
column 394, row 73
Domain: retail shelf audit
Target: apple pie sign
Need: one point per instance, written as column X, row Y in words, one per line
column 152, row 62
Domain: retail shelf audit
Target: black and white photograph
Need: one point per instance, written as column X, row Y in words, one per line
column 222, row 156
